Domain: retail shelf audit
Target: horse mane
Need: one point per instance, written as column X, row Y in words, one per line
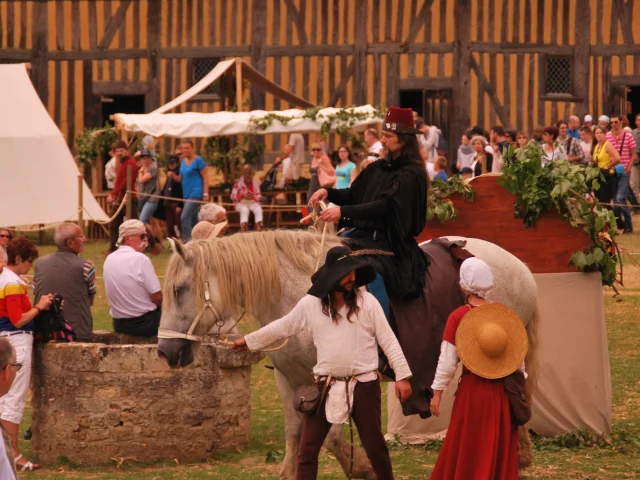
column 246, row 265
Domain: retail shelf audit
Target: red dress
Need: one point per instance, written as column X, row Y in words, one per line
column 481, row 443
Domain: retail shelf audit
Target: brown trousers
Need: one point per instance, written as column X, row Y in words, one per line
column 366, row 415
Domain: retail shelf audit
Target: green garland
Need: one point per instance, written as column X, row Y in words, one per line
column 342, row 121
column 563, row 185
column 94, row 141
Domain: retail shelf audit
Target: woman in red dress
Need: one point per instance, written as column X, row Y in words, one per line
column 481, row 442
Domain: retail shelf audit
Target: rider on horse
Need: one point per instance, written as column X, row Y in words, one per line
column 386, row 204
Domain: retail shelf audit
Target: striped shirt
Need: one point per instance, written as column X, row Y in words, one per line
column 14, row 301
column 625, row 145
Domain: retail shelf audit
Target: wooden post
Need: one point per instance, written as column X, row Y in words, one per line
column 582, row 59
column 461, row 70
column 80, row 202
column 41, row 234
column 238, row 86
column 129, row 196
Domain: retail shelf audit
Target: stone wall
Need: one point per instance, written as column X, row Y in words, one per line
column 94, row 402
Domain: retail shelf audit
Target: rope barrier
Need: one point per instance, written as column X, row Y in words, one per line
column 222, row 204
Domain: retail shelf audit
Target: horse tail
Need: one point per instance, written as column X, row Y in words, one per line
column 532, row 365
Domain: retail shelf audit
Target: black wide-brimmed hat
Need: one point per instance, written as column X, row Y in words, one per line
column 340, row 262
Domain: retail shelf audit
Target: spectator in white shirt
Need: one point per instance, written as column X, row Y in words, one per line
column 8, row 370
column 372, row 139
column 110, row 168
column 131, row 284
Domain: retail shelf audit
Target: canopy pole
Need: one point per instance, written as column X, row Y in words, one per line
column 238, row 86
column 80, row 203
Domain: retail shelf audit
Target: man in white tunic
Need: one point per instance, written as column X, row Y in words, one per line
column 347, row 324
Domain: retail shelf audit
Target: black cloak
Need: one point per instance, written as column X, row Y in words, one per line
column 387, row 205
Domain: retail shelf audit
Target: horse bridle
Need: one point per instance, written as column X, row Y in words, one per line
column 219, row 322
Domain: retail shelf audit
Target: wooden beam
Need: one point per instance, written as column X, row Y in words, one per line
column 393, row 77
column 152, row 98
column 258, row 53
column 624, row 14
column 91, row 102
column 360, row 54
column 418, row 22
column 396, row 47
column 39, row 52
column 625, row 81
column 120, row 87
column 117, row 54
column 610, row 50
column 510, row 47
column 297, row 18
column 461, row 92
column 488, row 88
column 339, row 90
column 207, row 52
column 13, row 54
column 114, row 23
column 425, row 83
column 582, row 58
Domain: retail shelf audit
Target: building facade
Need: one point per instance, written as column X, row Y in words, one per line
column 520, row 63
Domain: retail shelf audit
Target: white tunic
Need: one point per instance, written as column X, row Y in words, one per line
column 345, row 349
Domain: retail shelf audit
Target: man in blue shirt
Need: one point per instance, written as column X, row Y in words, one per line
column 573, row 129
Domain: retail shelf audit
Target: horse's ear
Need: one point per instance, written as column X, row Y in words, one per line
column 177, row 247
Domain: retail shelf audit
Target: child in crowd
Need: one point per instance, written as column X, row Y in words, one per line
column 440, row 166
column 466, row 173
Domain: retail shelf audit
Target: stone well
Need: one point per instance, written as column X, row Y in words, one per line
column 115, row 398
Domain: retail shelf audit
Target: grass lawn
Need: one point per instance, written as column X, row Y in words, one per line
column 619, row 459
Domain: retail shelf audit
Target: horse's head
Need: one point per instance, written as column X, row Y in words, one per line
column 191, row 306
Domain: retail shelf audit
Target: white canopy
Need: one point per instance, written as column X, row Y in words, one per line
column 236, row 123
column 39, row 179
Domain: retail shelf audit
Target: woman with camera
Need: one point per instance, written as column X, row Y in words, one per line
column 16, row 324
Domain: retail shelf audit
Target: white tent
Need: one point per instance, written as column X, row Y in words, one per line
column 39, row 179
column 235, row 123
column 160, row 123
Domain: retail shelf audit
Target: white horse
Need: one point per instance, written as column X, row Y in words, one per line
column 266, row 274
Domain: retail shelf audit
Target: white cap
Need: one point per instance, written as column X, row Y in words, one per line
column 588, row 118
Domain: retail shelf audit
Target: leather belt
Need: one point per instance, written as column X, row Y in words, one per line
column 19, row 332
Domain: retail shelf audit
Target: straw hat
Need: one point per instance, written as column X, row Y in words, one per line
column 207, row 230
column 491, row 341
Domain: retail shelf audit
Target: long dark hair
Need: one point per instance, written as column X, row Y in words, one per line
column 410, row 148
column 350, row 300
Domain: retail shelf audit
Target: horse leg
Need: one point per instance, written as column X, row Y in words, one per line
column 292, row 428
column 341, row 449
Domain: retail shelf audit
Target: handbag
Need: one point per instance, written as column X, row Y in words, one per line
column 514, row 387
column 308, row 399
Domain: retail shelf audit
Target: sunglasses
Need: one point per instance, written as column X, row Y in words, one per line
column 5, row 236
column 17, row 365
column 315, row 149
column 143, row 236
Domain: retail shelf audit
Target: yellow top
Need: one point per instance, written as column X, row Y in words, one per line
column 601, row 156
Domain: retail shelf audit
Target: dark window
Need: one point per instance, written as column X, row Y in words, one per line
column 558, row 79
column 200, row 67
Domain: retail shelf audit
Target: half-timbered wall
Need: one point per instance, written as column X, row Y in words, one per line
column 489, row 54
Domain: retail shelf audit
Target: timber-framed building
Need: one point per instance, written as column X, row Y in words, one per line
column 521, row 63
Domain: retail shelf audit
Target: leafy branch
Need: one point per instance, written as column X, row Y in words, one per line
column 566, row 187
column 92, row 142
column 438, row 205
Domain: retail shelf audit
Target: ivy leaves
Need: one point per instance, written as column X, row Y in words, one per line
column 94, row 141
column 564, row 186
